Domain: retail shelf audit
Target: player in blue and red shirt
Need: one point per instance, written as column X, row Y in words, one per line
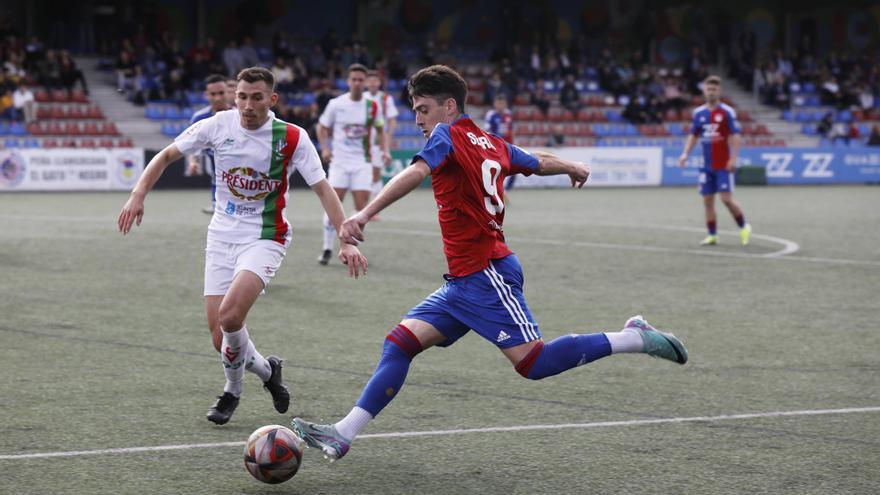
column 484, row 287
column 716, row 127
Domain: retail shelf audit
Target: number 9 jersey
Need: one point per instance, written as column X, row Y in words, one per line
column 468, row 168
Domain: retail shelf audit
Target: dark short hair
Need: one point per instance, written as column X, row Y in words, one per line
column 255, row 74
column 712, row 80
column 357, row 68
column 372, row 73
column 214, row 78
column 440, row 83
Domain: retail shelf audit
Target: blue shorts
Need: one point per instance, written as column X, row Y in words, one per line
column 490, row 302
column 716, row 181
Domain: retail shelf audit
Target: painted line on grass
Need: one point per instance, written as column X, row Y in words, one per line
column 788, row 246
column 782, row 254
column 466, row 431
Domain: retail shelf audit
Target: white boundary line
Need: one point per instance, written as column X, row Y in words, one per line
column 467, row 431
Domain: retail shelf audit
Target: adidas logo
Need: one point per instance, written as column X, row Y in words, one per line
column 502, row 336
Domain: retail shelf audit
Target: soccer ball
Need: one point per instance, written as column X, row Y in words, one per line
column 273, row 454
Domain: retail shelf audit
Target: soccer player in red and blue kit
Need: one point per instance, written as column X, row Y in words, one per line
column 716, row 127
column 484, row 287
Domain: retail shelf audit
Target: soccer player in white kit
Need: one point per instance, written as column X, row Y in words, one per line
column 354, row 122
column 381, row 153
column 255, row 155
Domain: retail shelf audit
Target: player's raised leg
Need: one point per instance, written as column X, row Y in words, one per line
column 329, row 229
column 401, row 345
column 745, row 230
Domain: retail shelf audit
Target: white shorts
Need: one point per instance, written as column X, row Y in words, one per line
column 351, row 178
column 223, row 261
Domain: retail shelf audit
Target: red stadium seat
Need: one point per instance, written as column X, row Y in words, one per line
column 41, row 96
column 88, row 143
column 60, row 96
column 44, row 112
column 125, row 143
column 76, row 112
column 91, row 129
column 54, row 128
column 79, row 96
column 109, row 129
column 50, row 143
column 94, row 112
column 34, row 129
column 72, row 128
column 68, row 143
column 106, row 143
column 57, row 112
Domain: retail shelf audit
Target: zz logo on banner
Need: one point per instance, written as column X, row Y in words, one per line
column 777, row 164
column 817, row 165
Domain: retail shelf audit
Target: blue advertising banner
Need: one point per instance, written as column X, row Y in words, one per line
column 787, row 165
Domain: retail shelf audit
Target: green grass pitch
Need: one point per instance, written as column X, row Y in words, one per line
column 104, row 346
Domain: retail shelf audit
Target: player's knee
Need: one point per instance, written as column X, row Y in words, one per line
column 403, row 339
column 230, row 320
column 525, row 367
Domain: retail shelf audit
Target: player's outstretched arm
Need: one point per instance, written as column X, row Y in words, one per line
column 348, row 253
column 133, row 211
column 402, row 184
column 550, row 164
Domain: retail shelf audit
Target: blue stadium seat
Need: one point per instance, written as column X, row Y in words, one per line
column 11, row 143
column 4, row 128
column 31, row 143
column 18, row 129
column 809, row 129
column 809, row 87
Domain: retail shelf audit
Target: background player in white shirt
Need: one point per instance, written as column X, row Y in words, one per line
column 353, row 121
column 381, row 153
column 255, row 155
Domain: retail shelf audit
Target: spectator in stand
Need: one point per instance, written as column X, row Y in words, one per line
column 783, row 64
column 866, row 98
column 70, row 74
column 672, row 95
column 249, row 55
column 200, row 66
column 35, row 52
column 324, row 95
column 568, row 95
column 316, row 61
column 48, row 71
column 831, row 92
column 23, row 101
column 125, row 72
column 824, row 127
column 7, row 108
column 874, row 138
column 494, row 86
column 233, row 59
column 556, row 137
column 281, row 47
column 283, row 75
column 539, row 98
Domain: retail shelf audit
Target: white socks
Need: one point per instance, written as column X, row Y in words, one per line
column 626, row 340
column 237, row 354
column 257, row 364
column 329, row 233
column 351, row 425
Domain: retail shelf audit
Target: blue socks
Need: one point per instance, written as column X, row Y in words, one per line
column 563, row 353
column 401, row 345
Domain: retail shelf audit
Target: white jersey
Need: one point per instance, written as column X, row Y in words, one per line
column 353, row 124
column 252, row 173
column 387, row 109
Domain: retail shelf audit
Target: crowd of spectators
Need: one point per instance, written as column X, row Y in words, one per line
column 29, row 63
column 843, row 81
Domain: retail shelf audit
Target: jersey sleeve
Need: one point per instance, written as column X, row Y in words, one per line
column 327, row 118
column 695, row 125
column 390, row 108
column 733, row 125
column 306, row 160
column 197, row 136
column 521, row 161
column 438, row 147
